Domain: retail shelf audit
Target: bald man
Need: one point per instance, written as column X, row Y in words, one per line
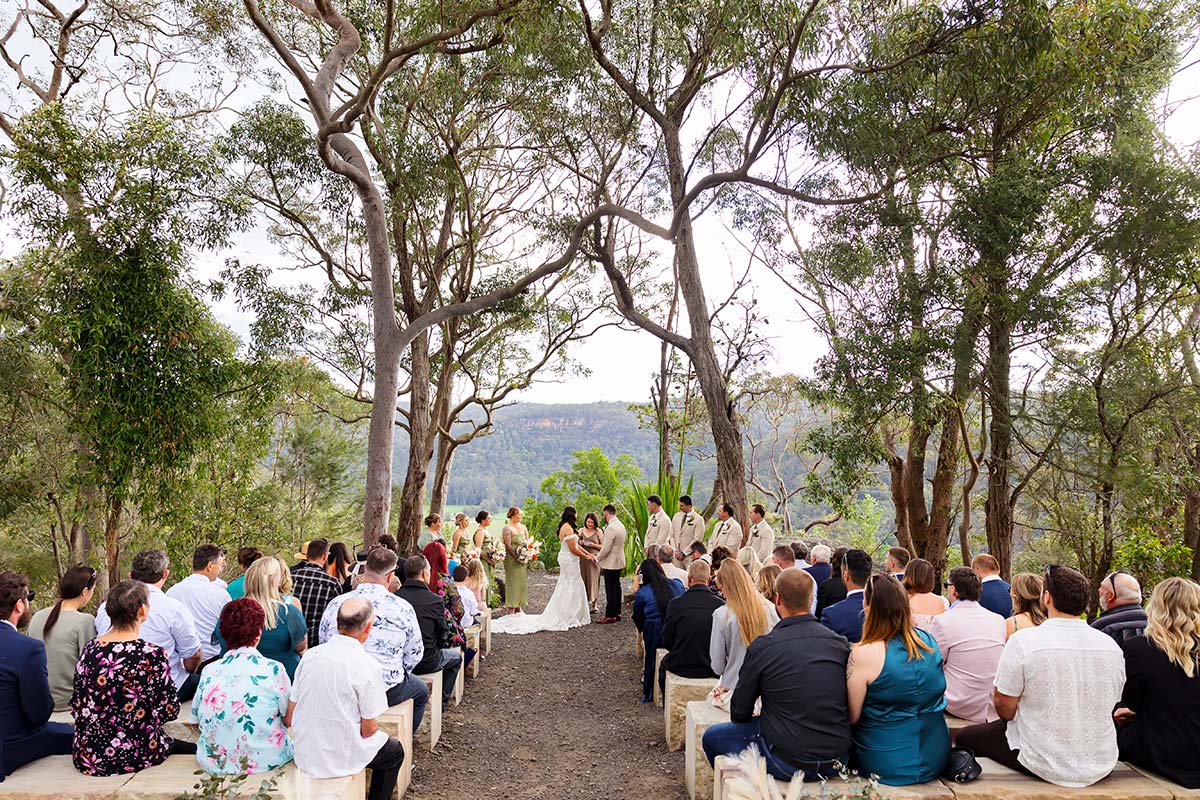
column 1120, row 597
column 687, row 628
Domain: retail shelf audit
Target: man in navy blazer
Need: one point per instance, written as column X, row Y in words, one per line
column 26, row 734
column 846, row 617
column 997, row 593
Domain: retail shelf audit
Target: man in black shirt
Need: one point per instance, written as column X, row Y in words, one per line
column 799, row 671
column 687, row 629
column 431, row 616
column 1123, row 617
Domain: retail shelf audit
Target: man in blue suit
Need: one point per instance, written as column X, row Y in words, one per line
column 26, row 734
column 997, row 594
column 846, row 617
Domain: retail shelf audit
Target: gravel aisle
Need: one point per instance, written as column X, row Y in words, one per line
column 553, row 715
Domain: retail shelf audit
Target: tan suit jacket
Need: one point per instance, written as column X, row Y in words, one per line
column 686, row 528
column 762, row 539
column 612, row 549
column 729, row 534
column 658, row 529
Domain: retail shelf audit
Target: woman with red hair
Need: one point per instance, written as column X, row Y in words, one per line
column 242, row 699
column 441, row 584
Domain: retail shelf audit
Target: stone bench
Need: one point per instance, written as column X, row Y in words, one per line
column 460, row 680
column 474, row 636
column 55, row 778
column 659, row 655
column 431, row 726
column 956, row 724
column 485, row 623
column 677, row 693
column 641, row 646
column 1177, row 791
column 698, row 775
column 725, row 769
column 1125, row 783
column 176, row 775
column 397, row 722
column 181, row 728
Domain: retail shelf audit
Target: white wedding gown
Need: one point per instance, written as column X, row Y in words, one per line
column 568, row 606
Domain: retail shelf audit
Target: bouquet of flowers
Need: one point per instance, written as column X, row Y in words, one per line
column 472, row 554
column 528, row 551
column 492, row 552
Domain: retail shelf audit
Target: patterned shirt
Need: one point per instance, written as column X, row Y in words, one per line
column 239, row 706
column 314, row 588
column 170, row 626
column 395, row 640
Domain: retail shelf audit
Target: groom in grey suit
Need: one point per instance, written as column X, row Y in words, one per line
column 611, row 559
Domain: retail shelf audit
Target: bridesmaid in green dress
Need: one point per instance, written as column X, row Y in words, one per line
column 460, row 542
column 516, row 576
column 480, row 538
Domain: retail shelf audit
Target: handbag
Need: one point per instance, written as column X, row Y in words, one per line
column 962, row 767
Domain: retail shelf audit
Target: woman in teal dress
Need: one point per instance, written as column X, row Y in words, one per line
column 896, row 692
column 516, row 574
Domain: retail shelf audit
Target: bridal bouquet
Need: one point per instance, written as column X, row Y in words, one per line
column 528, row 551
column 492, row 552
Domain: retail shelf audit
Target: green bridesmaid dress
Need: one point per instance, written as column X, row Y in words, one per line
column 516, row 576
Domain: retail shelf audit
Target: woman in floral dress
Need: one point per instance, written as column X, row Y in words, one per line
column 242, row 700
column 124, row 694
column 441, row 584
column 516, row 574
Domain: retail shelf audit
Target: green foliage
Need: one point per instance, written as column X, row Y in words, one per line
column 1150, row 557
column 227, row 787
column 636, row 514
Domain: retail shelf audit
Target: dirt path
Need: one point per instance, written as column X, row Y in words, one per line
column 553, row 715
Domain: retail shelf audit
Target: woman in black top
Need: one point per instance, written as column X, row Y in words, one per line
column 1159, row 715
column 832, row 590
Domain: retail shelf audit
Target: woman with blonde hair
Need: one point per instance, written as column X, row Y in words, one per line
column 477, row 581
column 749, row 561
column 1028, row 611
column 745, row 616
column 1158, row 718
column 460, row 542
column 284, row 633
column 896, row 692
column 765, row 582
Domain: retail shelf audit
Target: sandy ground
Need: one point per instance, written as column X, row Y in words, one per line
column 553, row 715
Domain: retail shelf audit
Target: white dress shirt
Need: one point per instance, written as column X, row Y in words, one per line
column 337, row 686
column 470, row 605
column 1068, row 676
column 170, row 626
column 205, row 599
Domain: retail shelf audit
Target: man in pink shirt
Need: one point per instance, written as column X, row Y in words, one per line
column 971, row 639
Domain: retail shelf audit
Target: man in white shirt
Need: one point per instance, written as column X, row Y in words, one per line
column 658, row 527
column 762, row 536
column 1056, row 686
column 664, row 556
column 971, row 639
column 687, row 526
column 728, row 532
column 470, row 604
column 203, row 595
column 170, row 624
column 336, row 699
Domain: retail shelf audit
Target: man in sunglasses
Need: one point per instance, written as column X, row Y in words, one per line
column 1122, row 615
column 26, row 734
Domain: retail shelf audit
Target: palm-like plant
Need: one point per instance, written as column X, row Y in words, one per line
column 633, row 508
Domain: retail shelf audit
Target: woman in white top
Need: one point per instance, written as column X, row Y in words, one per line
column 745, row 616
column 918, row 583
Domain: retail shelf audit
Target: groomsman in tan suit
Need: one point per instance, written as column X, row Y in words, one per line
column 611, row 559
column 658, row 529
column 687, row 526
column 762, row 536
column 728, row 532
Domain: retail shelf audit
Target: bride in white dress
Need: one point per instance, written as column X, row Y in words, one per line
column 568, row 606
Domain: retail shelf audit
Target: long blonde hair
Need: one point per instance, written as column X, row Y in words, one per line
column 1027, row 596
column 765, row 582
column 263, row 580
column 476, row 571
column 743, row 600
column 1173, row 624
column 749, row 559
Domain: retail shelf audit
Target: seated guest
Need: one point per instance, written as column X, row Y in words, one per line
column 783, row 556
column 284, row 634
column 1122, row 615
column 918, row 581
column 971, row 639
column 444, row 587
column 170, row 624
column 1158, row 721
column 745, row 616
column 896, row 692
column 241, row 700
column 846, row 617
column 996, row 595
column 820, row 569
column 437, row 653
column 26, row 734
column 800, row 551
column 432, row 532
column 665, row 556
column 203, row 594
column 124, row 693
column 470, row 602
column 687, row 628
column 697, row 551
column 799, row 672
column 765, row 582
column 64, row 629
column 649, row 605
column 245, row 557
column 339, row 564
column 337, row 700
column 1026, row 596
column 314, row 587
column 896, row 561
column 477, row 580
column 1056, row 686
column 395, row 639
column 832, row 589
column 287, row 589
column 749, row 561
